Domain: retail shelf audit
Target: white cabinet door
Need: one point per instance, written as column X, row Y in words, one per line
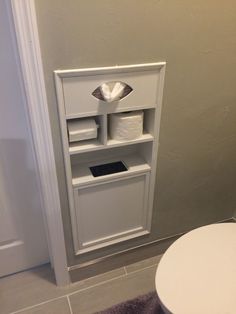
column 22, row 235
column 112, row 211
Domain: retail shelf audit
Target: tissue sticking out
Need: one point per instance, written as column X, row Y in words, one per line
column 112, row 91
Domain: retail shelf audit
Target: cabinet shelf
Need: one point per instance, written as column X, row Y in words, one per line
column 81, row 174
column 146, row 137
column 91, row 145
column 84, row 146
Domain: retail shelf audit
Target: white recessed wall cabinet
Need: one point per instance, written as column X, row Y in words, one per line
column 110, row 182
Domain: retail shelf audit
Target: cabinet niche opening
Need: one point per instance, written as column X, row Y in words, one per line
column 140, row 124
column 86, row 133
column 109, row 162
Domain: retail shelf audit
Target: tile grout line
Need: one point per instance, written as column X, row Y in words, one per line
column 95, row 285
column 141, row 269
column 68, row 300
column 109, row 280
column 41, row 303
column 66, row 295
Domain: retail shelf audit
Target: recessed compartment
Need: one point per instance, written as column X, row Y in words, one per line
column 131, row 157
column 126, row 126
column 88, row 144
column 82, row 129
column 139, row 123
column 104, row 139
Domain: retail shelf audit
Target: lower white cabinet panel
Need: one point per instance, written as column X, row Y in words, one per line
column 111, row 211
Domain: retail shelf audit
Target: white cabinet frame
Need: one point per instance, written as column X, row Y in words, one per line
column 91, row 78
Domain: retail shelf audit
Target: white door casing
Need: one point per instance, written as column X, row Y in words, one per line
column 26, row 33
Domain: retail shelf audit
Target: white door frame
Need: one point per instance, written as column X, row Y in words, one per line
column 26, row 32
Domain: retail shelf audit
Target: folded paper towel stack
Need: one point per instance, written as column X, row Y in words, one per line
column 82, row 129
column 126, row 125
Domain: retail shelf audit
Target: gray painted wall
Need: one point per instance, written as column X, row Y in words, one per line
column 196, row 174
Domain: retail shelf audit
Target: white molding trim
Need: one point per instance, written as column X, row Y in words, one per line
column 24, row 17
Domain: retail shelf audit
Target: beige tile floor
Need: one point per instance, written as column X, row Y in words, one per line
column 34, row 291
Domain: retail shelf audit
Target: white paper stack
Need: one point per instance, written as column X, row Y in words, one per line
column 126, row 125
column 82, row 129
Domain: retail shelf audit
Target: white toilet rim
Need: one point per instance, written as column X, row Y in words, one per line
column 192, row 272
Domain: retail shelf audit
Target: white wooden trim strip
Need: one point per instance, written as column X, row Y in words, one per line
column 24, row 17
column 106, row 70
column 59, row 90
column 156, row 142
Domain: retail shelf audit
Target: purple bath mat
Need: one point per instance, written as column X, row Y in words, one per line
column 145, row 304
